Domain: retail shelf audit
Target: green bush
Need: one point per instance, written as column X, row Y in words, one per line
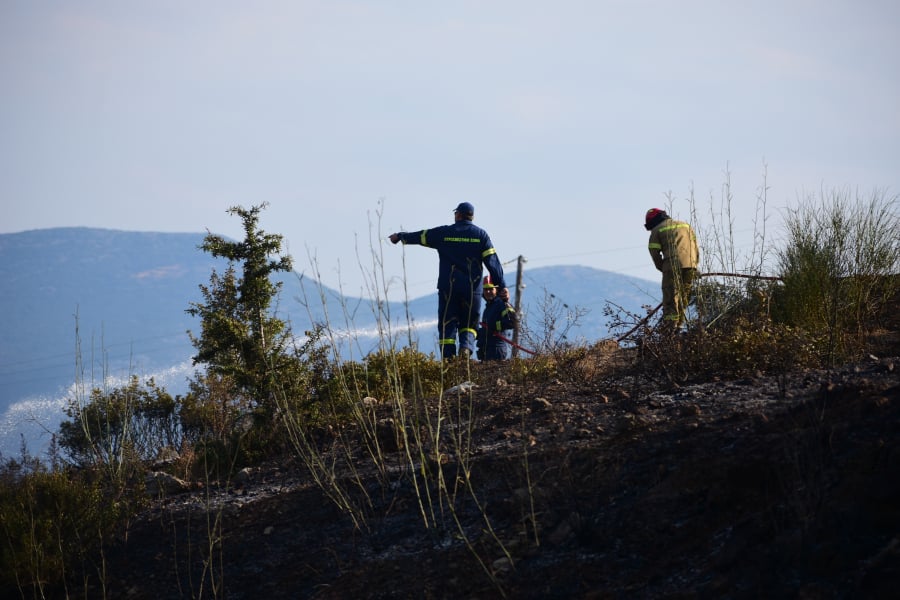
column 54, row 524
column 224, row 430
column 837, row 267
column 388, row 376
column 212, row 409
column 747, row 345
column 121, row 427
column 406, row 373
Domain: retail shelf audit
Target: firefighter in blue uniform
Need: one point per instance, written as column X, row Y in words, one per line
column 463, row 250
column 497, row 323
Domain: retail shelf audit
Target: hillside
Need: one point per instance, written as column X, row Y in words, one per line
column 595, row 484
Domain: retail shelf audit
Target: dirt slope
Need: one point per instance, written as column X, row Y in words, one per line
column 592, row 487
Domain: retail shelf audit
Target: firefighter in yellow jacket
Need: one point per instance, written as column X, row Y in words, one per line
column 673, row 247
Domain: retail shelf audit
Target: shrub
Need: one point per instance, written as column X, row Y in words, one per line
column 837, row 266
column 213, row 408
column 745, row 345
column 406, row 373
column 224, row 430
column 121, row 427
column 54, row 524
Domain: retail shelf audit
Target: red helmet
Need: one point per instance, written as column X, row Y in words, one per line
column 486, row 284
column 654, row 216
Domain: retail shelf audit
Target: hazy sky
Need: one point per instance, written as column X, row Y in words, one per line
column 562, row 122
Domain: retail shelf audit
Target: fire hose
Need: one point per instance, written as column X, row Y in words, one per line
column 513, row 344
column 652, row 312
column 714, row 274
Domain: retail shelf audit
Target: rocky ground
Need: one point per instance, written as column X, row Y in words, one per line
column 592, row 484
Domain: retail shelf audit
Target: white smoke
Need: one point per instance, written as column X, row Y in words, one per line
column 34, row 420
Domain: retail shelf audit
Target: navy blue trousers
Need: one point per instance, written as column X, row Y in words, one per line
column 458, row 315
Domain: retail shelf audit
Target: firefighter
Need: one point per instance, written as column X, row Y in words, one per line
column 673, row 248
column 496, row 325
column 463, row 250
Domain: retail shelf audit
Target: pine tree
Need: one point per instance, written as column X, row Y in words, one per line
column 240, row 338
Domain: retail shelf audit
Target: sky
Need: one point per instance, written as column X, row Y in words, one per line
column 562, row 122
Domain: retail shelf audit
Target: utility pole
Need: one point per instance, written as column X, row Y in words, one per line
column 518, row 304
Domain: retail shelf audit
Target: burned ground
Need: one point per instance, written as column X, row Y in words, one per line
column 585, row 486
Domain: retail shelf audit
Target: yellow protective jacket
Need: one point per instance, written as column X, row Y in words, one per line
column 673, row 245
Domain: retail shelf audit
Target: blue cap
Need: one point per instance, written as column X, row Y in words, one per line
column 466, row 209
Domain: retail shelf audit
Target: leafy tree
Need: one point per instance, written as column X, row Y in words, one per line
column 240, row 339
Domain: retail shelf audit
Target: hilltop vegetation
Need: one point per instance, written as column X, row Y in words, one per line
column 753, row 454
column 126, row 292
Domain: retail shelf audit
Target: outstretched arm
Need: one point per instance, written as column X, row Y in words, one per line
column 417, row 237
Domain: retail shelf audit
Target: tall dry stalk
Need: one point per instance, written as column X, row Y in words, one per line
column 433, row 426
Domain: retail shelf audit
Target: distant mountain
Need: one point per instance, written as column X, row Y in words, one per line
column 126, row 292
column 571, row 289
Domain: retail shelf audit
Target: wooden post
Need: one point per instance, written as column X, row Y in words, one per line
column 518, row 304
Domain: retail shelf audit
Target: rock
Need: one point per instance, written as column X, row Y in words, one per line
column 159, row 483
column 244, row 476
column 540, row 404
column 464, row 387
column 165, row 457
column 389, row 438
